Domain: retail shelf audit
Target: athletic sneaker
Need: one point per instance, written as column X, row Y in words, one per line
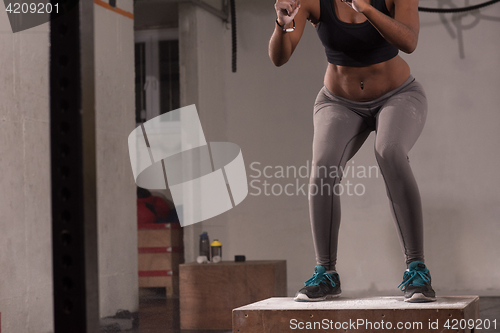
column 320, row 287
column 417, row 284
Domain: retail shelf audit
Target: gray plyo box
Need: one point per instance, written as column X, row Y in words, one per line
column 376, row 314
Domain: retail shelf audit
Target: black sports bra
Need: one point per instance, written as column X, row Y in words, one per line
column 352, row 44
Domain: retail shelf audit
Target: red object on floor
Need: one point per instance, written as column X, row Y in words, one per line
column 144, row 214
column 151, row 208
column 161, row 207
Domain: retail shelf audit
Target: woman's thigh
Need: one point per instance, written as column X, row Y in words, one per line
column 338, row 133
column 401, row 120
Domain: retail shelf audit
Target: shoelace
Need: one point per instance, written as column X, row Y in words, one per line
column 317, row 278
column 410, row 276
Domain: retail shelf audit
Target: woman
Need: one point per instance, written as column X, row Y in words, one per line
column 367, row 86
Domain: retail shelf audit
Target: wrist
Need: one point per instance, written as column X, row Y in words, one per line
column 284, row 27
column 280, row 22
column 366, row 8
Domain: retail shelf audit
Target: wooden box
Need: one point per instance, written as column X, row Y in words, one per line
column 160, row 253
column 159, row 235
column 376, row 314
column 209, row 292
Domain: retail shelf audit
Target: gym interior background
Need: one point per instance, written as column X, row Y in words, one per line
column 267, row 111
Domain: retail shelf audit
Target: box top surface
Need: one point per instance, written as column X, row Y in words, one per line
column 228, row 263
column 287, row 303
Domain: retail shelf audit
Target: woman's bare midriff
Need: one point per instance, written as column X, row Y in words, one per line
column 366, row 83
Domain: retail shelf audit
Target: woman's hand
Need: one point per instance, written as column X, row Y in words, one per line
column 283, row 43
column 286, row 10
column 357, row 5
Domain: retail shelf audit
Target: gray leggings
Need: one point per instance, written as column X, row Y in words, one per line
column 340, row 128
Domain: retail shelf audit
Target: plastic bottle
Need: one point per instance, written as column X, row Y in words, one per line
column 204, row 245
column 216, row 248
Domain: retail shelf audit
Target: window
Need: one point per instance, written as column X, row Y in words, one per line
column 157, row 87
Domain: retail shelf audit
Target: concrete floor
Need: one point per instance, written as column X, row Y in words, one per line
column 489, row 308
column 157, row 314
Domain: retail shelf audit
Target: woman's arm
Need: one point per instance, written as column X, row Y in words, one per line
column 282, row 44
column 402, row 30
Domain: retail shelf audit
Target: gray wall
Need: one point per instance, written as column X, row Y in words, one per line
column 25, row 258
column 267, row 111
column 202, row 83
column 116, row 197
